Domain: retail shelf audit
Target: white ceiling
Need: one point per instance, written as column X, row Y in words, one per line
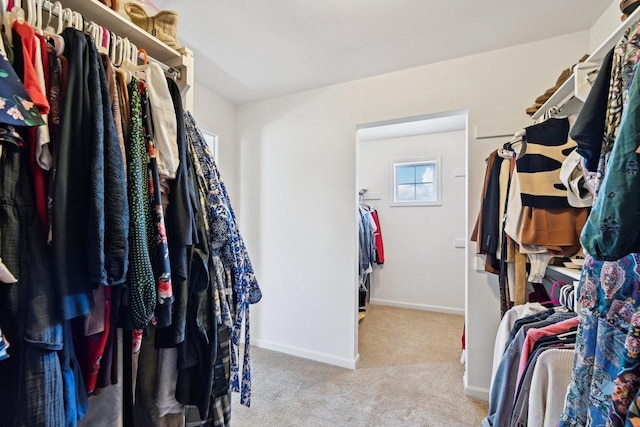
column 247, row 50
column 413, row 126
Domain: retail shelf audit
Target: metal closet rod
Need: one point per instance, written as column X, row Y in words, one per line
column 48, row 7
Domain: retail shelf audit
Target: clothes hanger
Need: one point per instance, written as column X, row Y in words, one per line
column 104, row 40
column 48, row 28
column 6, row 21
column 30, row 12
column 565, row 335
column 66, row 18
column 61, row 13
column 112, row 46
column 138, row 70
column 91, row 29
column 52, row 33
column 145, row 56
column 77, row 21
column 134, row 54
column 130, row 53
column 119, row 49
column 122, row 48
column 38, row 24
column 17, row 13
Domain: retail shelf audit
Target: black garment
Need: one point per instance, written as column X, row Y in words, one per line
column 519, row 323
column 198, row 352
column 180, row 224
column 588, row 130
column 491, row 215
column 145, row 409
column 567, row 337
column 31, row 382
column 90, row 214
column 70, row 220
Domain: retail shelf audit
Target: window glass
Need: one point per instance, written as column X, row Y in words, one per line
column 406, row 192
column 415, row 183
column 406, row 174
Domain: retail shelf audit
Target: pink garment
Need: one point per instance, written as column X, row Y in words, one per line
column 534, row 334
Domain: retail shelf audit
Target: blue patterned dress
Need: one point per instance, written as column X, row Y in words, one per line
column 225, row 242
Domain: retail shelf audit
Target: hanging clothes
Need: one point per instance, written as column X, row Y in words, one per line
column 86, row 257
column 378, row 242
column 225, row 241
column 180, row 226
column 138, row 282
column 605, row 377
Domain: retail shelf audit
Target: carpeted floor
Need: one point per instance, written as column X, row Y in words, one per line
column 409, row 375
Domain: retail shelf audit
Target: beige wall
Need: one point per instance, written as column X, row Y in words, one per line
column 298, row 190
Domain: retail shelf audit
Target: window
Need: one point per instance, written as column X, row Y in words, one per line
column 416, row 182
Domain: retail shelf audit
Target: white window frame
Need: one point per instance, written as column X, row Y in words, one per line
column 213, row 141
column 437, row 180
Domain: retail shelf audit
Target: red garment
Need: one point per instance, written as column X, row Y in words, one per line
column 95, row 346
column 40, row 177
column 30, row 77
column 39, row 181
column 31, row 82
column 378, row 237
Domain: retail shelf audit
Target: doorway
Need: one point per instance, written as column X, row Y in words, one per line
column 412, row 171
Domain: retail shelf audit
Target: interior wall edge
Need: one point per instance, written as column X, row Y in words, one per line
column 477, row 392
column 307, row 354
column 421, row 307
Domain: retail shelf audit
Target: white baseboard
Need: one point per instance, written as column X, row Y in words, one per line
column 307, row 354
column 424, row 307
column 477, row 392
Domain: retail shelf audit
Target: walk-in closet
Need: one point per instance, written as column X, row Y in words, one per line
column 382, row 213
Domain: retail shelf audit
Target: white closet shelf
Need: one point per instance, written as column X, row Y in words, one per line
column 559, row 97
column 93, row 10
column 569, row 272
column 567, row 91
